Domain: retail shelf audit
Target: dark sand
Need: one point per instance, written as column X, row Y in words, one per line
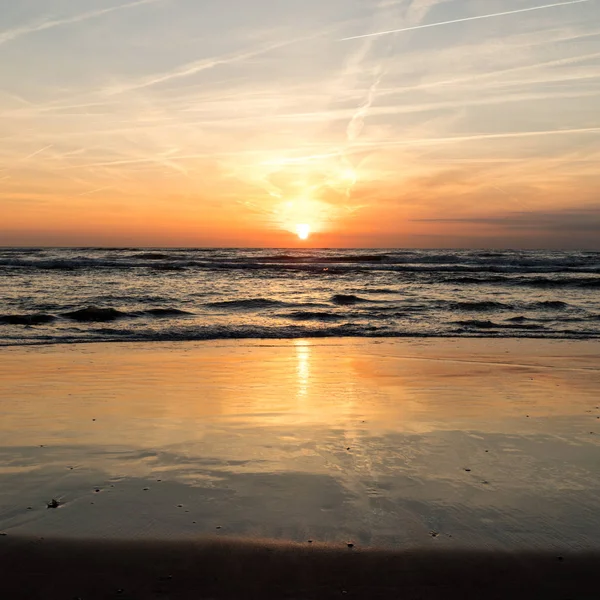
column 90, row 570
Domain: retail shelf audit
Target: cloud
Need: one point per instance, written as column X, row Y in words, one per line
column 463, row 20
column 12, row 34
column 197, row 66
column 566, row 222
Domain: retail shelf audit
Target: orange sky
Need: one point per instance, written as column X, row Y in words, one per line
column 221, row 125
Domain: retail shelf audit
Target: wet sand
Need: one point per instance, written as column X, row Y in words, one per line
column 449, row 465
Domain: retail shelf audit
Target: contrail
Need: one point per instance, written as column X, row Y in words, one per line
column 481, row 136
column 500, row 14
column 102, row 189
column 11, row 34
column 38, row 152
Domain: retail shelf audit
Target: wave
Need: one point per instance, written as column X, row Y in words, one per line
column 94, row 314
column 313, row 316
column 580, row 282
column 36, row 319
column 551, row 305
column 492, row 325
column 480, row 306
column 577, row 282
column 381, row 291
column 248, row 304
column 307, row 259
column 488, row 305
column 152, row 256
column 167, row 312
column 347, row 299
column 475, row 280
column 478, row 324
column 168, row 268
column 198, row 334
column 422, row 265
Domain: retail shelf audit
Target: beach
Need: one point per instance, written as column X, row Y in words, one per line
column 301, row 468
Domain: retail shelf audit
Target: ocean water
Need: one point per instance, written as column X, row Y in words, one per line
column 129, row 294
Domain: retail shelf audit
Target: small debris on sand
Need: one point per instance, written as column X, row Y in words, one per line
column 54, row 503
column 434, row 533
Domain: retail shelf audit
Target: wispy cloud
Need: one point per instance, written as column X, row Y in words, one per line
column 566, row 220
column 17, row 32
column 465, row 19
column 38, row 152
column 483, row 136
column 205, row 64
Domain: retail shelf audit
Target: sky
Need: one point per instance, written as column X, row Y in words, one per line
column 372, row 123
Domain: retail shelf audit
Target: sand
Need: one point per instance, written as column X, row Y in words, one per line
column 235, row 468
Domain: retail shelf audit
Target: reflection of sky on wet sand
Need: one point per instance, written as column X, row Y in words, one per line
column 485, row 443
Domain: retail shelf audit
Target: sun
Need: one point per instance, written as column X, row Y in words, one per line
column 303, row 230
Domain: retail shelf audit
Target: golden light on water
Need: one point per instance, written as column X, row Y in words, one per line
column 303, row 230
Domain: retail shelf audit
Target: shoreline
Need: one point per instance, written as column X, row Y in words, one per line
column 316, row 338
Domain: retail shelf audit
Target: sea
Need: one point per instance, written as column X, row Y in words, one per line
column 66, row 295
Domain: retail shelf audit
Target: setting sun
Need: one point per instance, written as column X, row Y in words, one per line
column 303, row 231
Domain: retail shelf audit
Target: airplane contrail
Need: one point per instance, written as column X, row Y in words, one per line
column 12, row 34
column 38, row 152
column 500, row 14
